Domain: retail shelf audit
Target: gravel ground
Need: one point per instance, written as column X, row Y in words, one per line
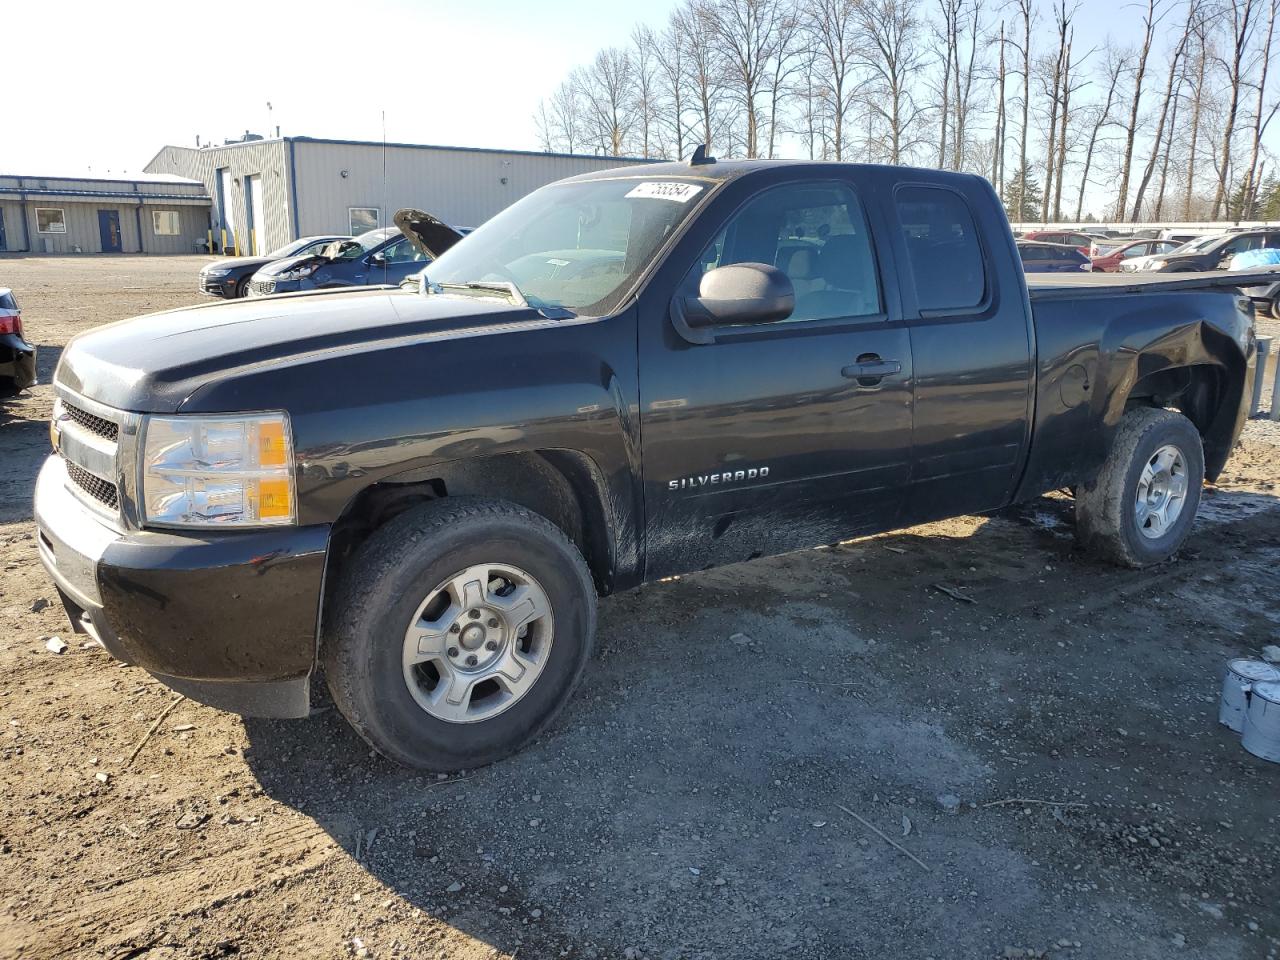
column 816, row 756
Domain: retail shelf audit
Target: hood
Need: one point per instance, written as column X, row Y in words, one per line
column 428, row 234
column 233, row 263
column 152, row 364
column 271, row 268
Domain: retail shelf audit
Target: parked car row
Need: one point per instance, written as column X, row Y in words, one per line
column 384, row 256
column 230, row 278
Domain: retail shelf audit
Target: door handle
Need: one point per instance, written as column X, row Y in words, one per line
column 870, row 369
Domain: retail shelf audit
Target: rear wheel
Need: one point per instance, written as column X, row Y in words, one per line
column 458, row 632
column 1140, row 507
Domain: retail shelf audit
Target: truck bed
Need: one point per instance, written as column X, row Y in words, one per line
column 1055, row 286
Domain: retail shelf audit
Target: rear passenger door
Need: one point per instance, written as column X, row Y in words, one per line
column 971, row 345
column 781, row 435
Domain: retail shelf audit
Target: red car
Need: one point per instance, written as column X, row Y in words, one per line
column 1074, row 238
column 1109, row 262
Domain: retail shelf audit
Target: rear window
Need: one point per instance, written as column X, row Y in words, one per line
column 7, row 302
column 942, row 248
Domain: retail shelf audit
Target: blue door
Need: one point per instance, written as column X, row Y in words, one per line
column 109, row 231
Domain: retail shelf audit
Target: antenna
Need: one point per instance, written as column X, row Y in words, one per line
column 385, row 267
column 700, row 157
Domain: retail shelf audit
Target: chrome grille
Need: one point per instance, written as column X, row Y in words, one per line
column 262, row 287
column 89, row 436
column 99, row 426
column 102, row 491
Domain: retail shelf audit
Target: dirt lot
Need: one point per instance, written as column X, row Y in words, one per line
column 698, row 798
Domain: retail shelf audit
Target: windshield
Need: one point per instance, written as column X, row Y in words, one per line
column 1198, row 243
column 291, row 249
column 578, row 246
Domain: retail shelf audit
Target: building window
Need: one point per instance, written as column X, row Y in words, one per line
column 363, row 219
column 50, row 220
column 165, row 223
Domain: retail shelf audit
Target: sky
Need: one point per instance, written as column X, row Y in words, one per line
column 107, row 84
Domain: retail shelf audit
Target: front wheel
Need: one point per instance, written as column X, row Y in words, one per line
column 458, row 632
column 1140, row 507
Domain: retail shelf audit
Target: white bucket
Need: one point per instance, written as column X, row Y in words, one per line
column 1241, row 676
column 1262, row 722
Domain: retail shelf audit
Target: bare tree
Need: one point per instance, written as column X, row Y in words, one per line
column 893, row 33
column 645, row 85
column 1241, row 14
column 702, row 66
column 748, row 33
column 669, row 55
column 1175, row 64
column 832, row 36
column 1068, row 89
column 559, row 121
column 1026, row 10
column 949, row 31
column 1053, row 90
column 1201, row 39
column 608, row 90
column 965, row 72
column 997, row 154
column 787, row 61
column 1116, row 65
column 1253, row 177
column 1151, row 19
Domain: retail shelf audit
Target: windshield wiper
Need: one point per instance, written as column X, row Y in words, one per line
column 485, row 286
column 508, row 288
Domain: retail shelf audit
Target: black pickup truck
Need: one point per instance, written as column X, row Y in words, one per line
column 624, row 376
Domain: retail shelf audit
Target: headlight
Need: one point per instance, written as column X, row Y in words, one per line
column 1157, row 264
column 299, row 272
column 218, row 471
column 217, row 272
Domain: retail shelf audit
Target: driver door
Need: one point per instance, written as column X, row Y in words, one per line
column 780, row 435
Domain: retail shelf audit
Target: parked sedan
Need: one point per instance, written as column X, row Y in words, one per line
column 1074, row 238
column 1110, row 260
column 1215, row 254
column 1051, row 258
column 379, row 256
column 17, row 356
column 230, row 278
column 1138, row 264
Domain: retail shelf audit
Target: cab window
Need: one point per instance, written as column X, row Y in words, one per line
column 814, row 233
column 943, row 249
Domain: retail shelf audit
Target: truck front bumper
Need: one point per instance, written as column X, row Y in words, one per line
column 229, row 619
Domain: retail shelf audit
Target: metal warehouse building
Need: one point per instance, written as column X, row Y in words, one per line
column 267, row 192
column 144, row 214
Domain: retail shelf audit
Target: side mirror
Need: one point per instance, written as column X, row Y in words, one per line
column 377, row 260
column 740, row 293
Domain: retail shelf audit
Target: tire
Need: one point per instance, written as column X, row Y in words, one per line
column 242, row 288
column 1108, row 521
column 387, row 589
column 1275, row 309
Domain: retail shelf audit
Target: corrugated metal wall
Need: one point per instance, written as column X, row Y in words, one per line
column 132, row 202
column 462, row 187
column 265, row 158
column 11, row 215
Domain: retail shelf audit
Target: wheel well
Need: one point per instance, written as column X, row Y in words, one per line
column 563, row 486
column 1199, row 392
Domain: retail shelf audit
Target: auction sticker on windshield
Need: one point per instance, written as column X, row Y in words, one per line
column 653, row 190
